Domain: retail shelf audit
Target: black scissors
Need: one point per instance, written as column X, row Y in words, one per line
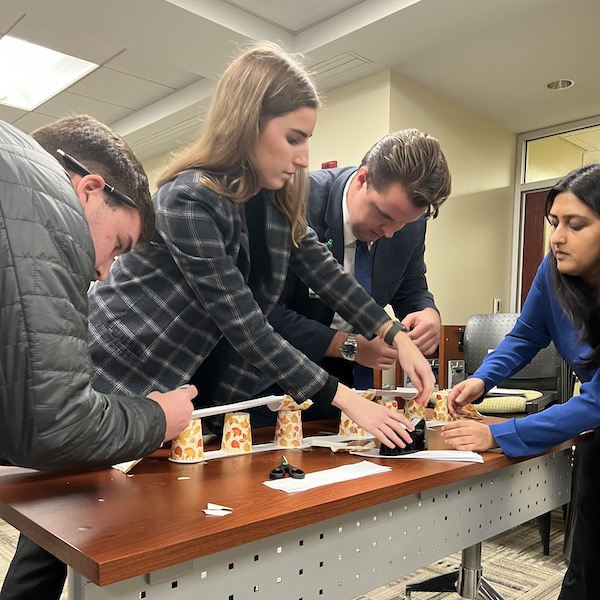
column 286, row 469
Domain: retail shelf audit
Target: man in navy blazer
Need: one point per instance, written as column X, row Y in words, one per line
column 402, row 180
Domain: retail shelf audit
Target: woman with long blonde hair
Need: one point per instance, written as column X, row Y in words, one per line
column 230, row 220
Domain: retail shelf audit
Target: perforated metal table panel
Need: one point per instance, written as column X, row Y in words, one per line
column 346, row 556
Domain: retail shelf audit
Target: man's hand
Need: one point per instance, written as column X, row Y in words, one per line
column 464, row 393
column 177, row 406
column 468, row 435
column 375, row 353
column 424, row 329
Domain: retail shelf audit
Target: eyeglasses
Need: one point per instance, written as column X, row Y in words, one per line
column 77, row 167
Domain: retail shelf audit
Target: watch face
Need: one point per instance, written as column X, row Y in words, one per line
column 349, row 348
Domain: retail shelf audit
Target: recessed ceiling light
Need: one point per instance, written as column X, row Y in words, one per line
column 560, row 84
column 31, row 74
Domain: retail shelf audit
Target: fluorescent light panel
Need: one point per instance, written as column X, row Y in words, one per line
column 32, row 74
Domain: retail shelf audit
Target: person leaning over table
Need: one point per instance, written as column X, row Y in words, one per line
column 563, row 306
column 385, row 202
column 230, row 219
column 60, row 226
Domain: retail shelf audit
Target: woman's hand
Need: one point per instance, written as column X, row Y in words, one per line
column 416, row 366
column 468, row 435
column 388, row 426
column 464, row 393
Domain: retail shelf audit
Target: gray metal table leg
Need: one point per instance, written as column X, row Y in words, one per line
column 468, row 581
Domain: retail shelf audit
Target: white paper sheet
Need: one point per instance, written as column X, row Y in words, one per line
column 327, row 476
column 450, row 455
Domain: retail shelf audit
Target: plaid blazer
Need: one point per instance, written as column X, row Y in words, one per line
column 166, row 308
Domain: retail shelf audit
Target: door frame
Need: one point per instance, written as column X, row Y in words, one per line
column 521, row 189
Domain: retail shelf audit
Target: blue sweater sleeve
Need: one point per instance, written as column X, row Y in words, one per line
column 542, row 321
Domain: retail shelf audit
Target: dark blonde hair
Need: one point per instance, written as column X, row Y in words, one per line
column 415, row 160
column 262, row 83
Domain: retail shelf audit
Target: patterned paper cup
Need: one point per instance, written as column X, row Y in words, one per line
column 237, row 436
column 440, row 406
column 188, row 447
column 350, row 429
column 391, row 403
column 414, row 410
column 288, row 430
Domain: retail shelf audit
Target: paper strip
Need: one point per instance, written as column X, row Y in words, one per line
column 273, row 402
column 449, row 455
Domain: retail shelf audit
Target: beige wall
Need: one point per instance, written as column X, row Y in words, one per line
column 154, row 168
column 469, row 245
column 352, row 118
column 551, row 157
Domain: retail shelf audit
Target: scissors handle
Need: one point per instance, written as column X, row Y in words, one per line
column 286, row 469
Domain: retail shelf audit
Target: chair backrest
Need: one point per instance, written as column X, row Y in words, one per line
column 546, row 372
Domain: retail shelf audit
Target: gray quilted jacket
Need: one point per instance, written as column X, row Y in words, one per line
column 50, row 418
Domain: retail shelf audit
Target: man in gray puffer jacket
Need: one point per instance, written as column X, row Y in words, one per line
column 58, row 230
column 60, row 226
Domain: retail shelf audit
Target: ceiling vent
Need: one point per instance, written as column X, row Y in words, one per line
column 339, row 64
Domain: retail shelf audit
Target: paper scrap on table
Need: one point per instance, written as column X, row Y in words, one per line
column 327, row 476
column 338, row 443
column 125, row 467
column 451, row 455
column 217, row 510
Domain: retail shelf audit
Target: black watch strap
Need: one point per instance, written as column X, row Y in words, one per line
column 392, row 331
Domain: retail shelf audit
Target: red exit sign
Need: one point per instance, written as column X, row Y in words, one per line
column 330, row 164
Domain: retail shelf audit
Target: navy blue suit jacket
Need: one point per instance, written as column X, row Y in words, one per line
column 398, row 275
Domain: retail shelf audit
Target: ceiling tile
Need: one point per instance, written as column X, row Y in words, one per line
column 121, row 89
column 133, row 63
column 10, row 114
column 30, row 121
column 292, row 15
column 68, row 103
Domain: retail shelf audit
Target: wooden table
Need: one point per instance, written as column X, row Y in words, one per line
column 145, row 536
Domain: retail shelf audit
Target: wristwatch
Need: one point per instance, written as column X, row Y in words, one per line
column 396, row 328
column 349, row 348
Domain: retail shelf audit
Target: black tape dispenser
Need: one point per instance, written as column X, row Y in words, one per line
column 419, row 441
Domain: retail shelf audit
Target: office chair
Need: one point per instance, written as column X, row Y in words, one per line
column 546, row 373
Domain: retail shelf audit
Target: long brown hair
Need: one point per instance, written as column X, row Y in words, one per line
column 262, row 83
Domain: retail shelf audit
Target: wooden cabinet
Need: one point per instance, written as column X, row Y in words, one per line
column 448, row 350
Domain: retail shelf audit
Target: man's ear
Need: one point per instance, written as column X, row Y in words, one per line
column 89, row 188
column 361, row 177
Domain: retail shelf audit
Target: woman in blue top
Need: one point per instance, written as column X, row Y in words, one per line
column 563, row 306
